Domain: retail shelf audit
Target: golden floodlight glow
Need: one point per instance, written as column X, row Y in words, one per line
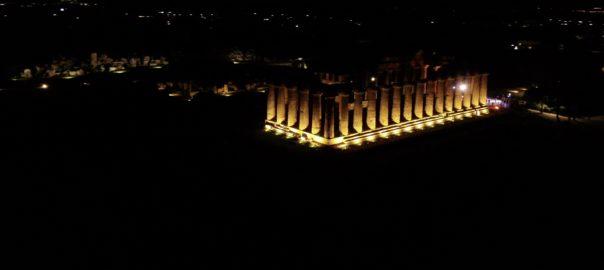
column 344, row 142
column 44, row 86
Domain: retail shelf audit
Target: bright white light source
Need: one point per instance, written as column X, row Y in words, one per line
column 463, row 87
column 44, row 86
column 373, row 79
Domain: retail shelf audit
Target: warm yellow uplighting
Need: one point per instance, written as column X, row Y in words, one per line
column 44, row 86
column 408, row 129
column 119, row 71
column 268, row 127
column 343, row 146
column 384, row 135
column 371, row 138
column 430, row 124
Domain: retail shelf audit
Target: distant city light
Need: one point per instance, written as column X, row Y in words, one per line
column 44, row 86
column 62, row 9
column 373, row 79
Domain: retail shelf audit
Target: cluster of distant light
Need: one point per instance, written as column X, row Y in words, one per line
column 297, row 20
column 43, row 4
column 570, row 22
column 595, row 10
column 172, row 15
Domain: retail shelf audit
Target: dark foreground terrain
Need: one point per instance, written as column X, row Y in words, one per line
column 119, row 181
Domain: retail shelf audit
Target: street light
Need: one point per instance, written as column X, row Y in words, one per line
column 463, row 87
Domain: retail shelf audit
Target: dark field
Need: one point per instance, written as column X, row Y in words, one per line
column 125, row 178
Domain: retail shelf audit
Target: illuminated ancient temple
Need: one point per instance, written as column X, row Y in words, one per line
column 380, row 110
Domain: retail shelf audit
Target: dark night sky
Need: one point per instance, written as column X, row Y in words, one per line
column 340, row 5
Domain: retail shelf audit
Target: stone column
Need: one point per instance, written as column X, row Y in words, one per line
column 483, row 89
column 420, row 91
column 408, row 108
column 358, row 111
column 371, row 108
column 281, row 102
column 344, row 114
column 440, row 96
column 384, row 106
column 458, row 94
column 292, row 106
column 270, row 103
column 467, row 94
column 396, row 104
column 475, row 91
column 316, row 112
column 429, row 106
column 329, row 119
column 94, row 59
column 424, row 72
column 449, row 94
column 304, row 111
